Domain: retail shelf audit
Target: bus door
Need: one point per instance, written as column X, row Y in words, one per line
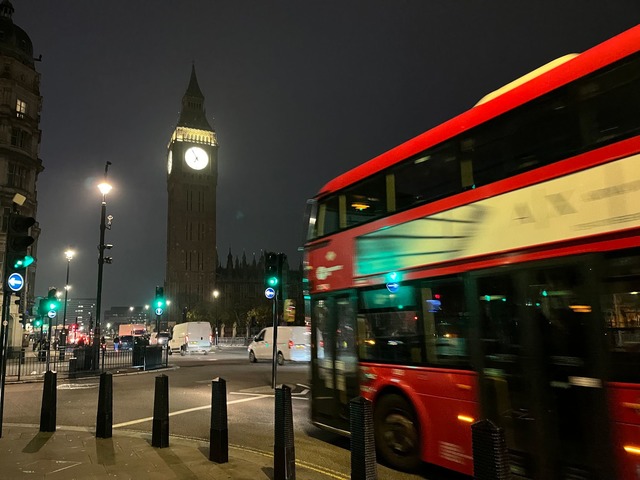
column 541, row 371
column 334, row 360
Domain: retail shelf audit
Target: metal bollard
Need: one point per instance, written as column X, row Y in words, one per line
column 104, row 421
column 73, row 367
column 363, row 447
column 160, row 433
column 284, row 457
column 490, row 454
column 219, row 432
column 49, row 403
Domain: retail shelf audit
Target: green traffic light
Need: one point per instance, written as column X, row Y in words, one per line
column 23, row 262
column 37, row 323
column 272, row 281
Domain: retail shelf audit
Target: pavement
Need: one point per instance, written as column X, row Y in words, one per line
column 75, row 453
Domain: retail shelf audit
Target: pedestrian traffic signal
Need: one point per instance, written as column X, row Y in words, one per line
column 18, row 242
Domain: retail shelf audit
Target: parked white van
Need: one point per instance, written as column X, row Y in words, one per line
column 294, row 344
column 191, row 337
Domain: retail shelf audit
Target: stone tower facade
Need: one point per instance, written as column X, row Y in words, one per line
column 192, row 174
column 20, row 105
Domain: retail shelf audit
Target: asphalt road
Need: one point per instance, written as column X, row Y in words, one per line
column 250, row 407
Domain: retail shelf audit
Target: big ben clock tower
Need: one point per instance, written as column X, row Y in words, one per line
column 192, row 173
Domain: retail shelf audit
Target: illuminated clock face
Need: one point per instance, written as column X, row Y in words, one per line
column 196, row 158
column 170, row 162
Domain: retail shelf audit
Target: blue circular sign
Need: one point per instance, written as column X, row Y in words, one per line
column 159, row 311
column 269, row 293
column 15, row 282
column 393, row 287
column 52, row 314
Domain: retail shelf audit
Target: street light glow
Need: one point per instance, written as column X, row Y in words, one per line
column 104, row 188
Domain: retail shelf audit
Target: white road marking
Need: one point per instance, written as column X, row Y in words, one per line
column 188, row 410
column 76, row 386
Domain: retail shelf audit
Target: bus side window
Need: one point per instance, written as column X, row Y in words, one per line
column 431, row 175
column 446, row 323
column 620, row 304
column 327, row 217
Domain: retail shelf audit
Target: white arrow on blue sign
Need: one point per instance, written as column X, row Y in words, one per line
column 269, row 293
column 159, row 311
column 393, row 287
column 15, row 282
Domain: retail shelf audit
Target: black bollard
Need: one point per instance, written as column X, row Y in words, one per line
column 219, row 432
column 284, row 456
column 73, row 367
column 363, row 446
column 160, row 433
column 490, row 453
column 104, row 421
column 49, row 402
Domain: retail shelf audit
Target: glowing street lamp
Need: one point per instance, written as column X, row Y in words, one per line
column 69, row 254
column 216, row 294
column 104, row 188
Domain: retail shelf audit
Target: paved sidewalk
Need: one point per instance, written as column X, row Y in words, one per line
column 75, row 453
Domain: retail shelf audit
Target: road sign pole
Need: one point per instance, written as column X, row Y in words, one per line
column 274, row 369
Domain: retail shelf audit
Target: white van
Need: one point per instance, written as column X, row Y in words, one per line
column 294, row 344
column 191, row 337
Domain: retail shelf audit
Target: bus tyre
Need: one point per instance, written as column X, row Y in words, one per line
column 252, row 357
column 396, row 433
column 280, row 358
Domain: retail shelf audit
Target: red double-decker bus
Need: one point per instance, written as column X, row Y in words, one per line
column 490, row 269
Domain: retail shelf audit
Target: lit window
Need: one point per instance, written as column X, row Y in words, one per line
column 21, row 108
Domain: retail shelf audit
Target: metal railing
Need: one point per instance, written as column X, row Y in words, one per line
column 68, row 362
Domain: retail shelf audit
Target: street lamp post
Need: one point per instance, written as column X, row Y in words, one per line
column 216, row 294
column 104, row 188
column 69, row 254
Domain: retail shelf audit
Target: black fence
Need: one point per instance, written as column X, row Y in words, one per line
column 70, row 362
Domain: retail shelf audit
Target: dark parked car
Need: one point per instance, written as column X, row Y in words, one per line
column 126, row 342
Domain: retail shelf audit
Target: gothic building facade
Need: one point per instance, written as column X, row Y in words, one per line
column 192, row 174
column 240, row 283
column 197, row 283
column 20, row 165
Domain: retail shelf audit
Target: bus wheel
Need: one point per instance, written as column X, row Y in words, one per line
column 280, row 358
column 396, row 433
column 252, row 357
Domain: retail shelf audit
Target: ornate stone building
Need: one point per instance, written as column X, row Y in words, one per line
column 192, row 174
column 20, row 104
column 241, row 290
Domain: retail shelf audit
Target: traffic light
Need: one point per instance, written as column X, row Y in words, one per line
column 159, row 301
column 51, row 302
column 37, row 323
column 271, row 271
column 18, row 241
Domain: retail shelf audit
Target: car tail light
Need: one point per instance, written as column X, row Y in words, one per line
column 291, row 344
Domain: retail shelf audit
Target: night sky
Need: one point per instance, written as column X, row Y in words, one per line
column 298, row 92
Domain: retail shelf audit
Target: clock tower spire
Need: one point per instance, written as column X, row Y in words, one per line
column 192, row 174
